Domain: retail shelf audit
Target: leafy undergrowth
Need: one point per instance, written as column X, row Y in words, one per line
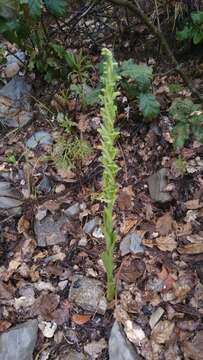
column 159, row 277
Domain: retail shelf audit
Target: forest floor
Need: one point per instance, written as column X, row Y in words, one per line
column 51, row 239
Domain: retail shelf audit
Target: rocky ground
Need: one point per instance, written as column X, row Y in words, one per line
column 52, row 280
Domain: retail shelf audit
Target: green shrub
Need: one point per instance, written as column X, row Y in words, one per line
column 188, row 121
column 193, row 30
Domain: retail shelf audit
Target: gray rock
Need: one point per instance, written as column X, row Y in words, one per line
column 18, row 343
column 18, row 57
column 90, row 225
column 9, row 198
column 88, row 294
column 44, row 185
column 39, row 138
column 50, row 231
column 131, row 243
column 73, row 355
column 11, row 70
column 72, row 210
column 15, row 103
column 119, row 346
column 157, row 184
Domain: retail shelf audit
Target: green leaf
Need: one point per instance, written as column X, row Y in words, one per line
column 197, row 36
column 34, row 8
column 56, row 7
column 93, row 97
column 185, row 34
column 181, row 134
column 197, row 17
column 142, row 74
column 148, row 105
column 8, row 9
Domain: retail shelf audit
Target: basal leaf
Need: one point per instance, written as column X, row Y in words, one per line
column 148, row 105
column 197, row 36
column 35, row 8
column 197, row 17
column 8, row 9
column 142, row 73
column 56, row 7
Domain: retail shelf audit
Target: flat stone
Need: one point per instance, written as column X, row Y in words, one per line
column 131, row 243
column 72, row 210
column 90, row 226
column 157, row 185
column 15, row 107
column 9, row 199
column 44, row 185
column 39, row 138
column 18, row 58
column 18, row 343
column 119, row 346
column 11, row 70
column 88, row 294
column 50, row 231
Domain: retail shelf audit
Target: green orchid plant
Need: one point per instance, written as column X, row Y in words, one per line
column 108, row 136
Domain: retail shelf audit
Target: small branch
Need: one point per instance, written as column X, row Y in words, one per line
column 136, row 9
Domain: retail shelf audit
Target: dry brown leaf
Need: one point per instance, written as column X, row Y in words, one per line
column 194, row 248
column 4, row 325
column 45, row 305
column 193, row 204
column 183, row 229
column 80, row 319
column 125, row 198
column 131, row 270
column 51, row 205
column 166, row 243
column 128, row 225
column 67, row 175
column 164, row 224
column 162, row 332
column 23, row 225
column 194, row 349
column 83, row 123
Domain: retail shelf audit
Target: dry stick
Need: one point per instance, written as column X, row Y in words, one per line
column 136, row 9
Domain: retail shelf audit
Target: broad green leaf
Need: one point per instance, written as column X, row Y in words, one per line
column 149, row 106
column 8, row 9
column 56, row 7
column 142, row 74
column 197, row 17
column 185, row 34
column 197, row 36
column 35, row 8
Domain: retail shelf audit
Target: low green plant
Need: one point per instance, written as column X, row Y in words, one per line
column 175, row 88
column 188, row 121
column 136, row 81
column 193, row 29
column 108, row 136
column 67, row 152
column 23, row 22
column 181, row 165
column 10, row 159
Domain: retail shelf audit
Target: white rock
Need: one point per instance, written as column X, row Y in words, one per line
column 48, row 328
column 156, row 316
